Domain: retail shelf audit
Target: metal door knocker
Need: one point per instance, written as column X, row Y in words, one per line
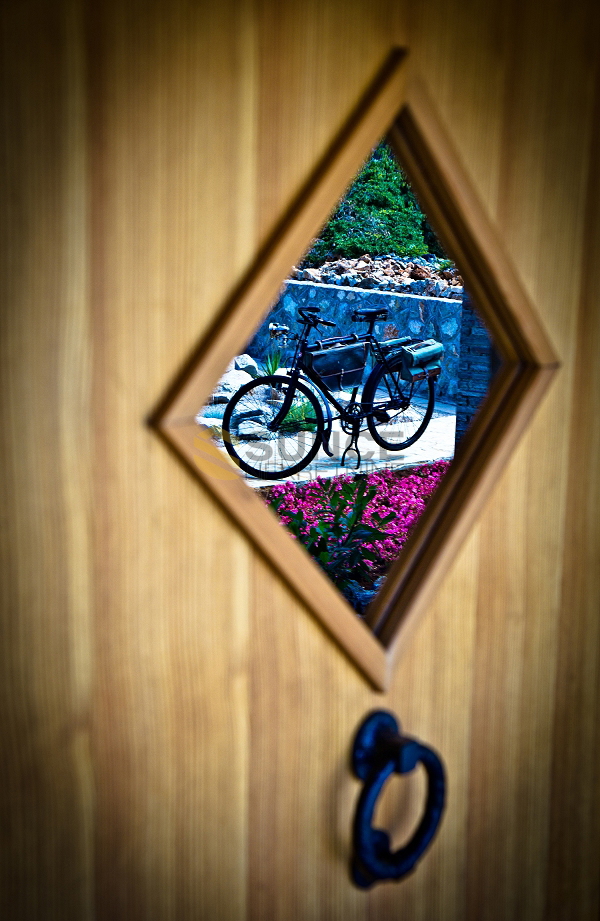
column 379, row 751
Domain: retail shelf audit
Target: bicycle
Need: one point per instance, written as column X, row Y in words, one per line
column 273, row 426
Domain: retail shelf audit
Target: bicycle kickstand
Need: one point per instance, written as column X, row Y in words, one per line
column 353, row 446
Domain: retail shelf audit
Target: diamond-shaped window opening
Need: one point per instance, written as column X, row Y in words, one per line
column 395, row 106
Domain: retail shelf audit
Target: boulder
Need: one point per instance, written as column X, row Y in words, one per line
column 246, row 363
column 311, row 275
column 229, row 384
column 255, row 414
column 251, row 429
column 214, row 411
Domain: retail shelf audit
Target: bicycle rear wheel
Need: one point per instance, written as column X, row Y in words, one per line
column 398, row 411
column 266, row 454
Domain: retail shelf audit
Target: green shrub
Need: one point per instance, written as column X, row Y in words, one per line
column 378, row 215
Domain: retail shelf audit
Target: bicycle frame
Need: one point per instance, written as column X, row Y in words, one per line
column 353, row 414
column 299, row 369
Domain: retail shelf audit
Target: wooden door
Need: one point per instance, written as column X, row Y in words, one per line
column 176, row 726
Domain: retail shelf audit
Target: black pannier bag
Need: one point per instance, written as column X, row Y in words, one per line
column 421, row 359
column 341, row 367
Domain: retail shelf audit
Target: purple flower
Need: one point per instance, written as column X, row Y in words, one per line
column 403, row 494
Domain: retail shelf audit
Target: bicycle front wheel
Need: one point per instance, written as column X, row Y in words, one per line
column 256, row 448
column 398, row 411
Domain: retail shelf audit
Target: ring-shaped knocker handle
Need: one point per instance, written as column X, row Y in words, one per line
column 379, row 751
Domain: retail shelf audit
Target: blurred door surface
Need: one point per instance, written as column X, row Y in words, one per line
column 175, row 725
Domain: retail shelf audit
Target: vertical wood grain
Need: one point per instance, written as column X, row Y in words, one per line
column 574, row 818
column 47, row 771
column 171, row 577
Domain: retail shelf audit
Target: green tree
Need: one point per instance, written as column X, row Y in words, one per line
column 379, row 214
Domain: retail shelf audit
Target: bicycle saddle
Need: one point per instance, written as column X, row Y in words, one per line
column 367, row 314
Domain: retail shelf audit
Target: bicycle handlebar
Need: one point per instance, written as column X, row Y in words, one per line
column 309, row 315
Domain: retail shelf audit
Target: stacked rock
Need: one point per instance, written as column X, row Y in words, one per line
column 424, row 275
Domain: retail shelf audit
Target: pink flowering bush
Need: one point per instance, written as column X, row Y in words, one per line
column 356, row 526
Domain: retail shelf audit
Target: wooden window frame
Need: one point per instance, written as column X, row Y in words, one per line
column 396, row 105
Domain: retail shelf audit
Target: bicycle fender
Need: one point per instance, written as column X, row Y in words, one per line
column 328, row 416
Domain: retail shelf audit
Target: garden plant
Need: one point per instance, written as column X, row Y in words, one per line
column 379, row 214
column 354, row 527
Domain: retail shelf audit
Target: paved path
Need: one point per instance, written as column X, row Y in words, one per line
column 437, row 443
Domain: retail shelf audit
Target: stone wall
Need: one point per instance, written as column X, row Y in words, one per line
column 478, row 363
column 408, row 315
